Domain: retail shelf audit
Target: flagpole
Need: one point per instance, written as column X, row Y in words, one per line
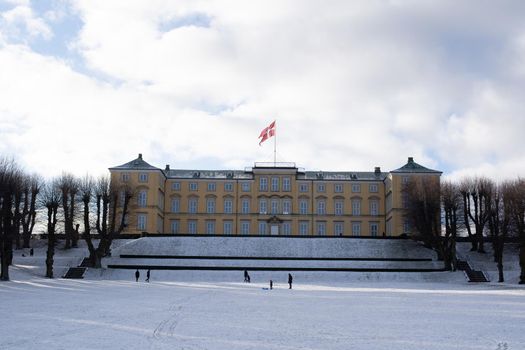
column 275, row 148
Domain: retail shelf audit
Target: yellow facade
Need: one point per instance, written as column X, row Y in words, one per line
column 267, row 199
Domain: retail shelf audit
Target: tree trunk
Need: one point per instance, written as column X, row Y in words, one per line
column 522, row 263
column 50, row 254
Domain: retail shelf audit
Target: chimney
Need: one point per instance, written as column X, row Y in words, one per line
column 410, row 160
column 377, row 170
column 140, row 155
column 167, row 167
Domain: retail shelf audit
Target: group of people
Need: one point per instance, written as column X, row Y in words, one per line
column 137, row 275
column 247, row 279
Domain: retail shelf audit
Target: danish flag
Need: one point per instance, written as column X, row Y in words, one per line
column 267, row 132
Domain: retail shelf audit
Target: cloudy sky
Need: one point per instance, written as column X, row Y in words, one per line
column 89, row 84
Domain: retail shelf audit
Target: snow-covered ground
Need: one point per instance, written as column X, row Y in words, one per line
column 39, row 313
column 215, row 310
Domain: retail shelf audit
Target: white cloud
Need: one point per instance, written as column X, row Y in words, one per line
column 351, row 84
column 20, row 20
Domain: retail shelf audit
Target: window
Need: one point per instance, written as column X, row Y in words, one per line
column 160, row 198
column 175, row 205
column 321, row 228
column 275, row 184
column 356, row 188
column 339, row 207
column 356, row 228
column 374, row 228
column 287, row 206
column 404, row 199
column 303, row 206
column 320, row 188
column 142, row 198
column 262, row 227
column 338, row 228
column 141, row 222
column 303, row 187
column 374, row 207
column 175, row 226
column 406, row 226
column 245, row 227
column 263, row 208
column 210, row 205
column 372, row 188
column 211, row 186
column 338, row 188
column 245, row 186
column 321, row 207
column 122, row 198
column 286, row 184
column 287, row 228
column 210, row 227
column 175, row 186
column 245, row 206
column 303, row 228
column 192, row 205
column 275, row 206
column 228, row 227
column 228, row 187
column 263, row 184
column 193, row 186
column 125, row 177
column 192, row 227
column 356, row 207
column 143, row 177
column 228, row 206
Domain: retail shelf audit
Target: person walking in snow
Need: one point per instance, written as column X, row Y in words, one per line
column 137, row 275
column 271, row 284
column 246, row 276
column 290, row 280
column 147, row 275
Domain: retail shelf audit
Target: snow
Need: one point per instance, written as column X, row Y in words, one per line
column 215, row 310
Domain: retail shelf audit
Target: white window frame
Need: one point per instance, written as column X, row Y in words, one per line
column 192, row 227
column 175, row 205
column 321, row 228
column 245, row 227
column 263, row 206
column 373, row 188
column 356, row 207
column 228, row 187
column 303, row 227
column 356, row 188
column 339, row 207
column 211, row 186
column 193, row 205
column 287, row 184
column 245, row 206
column 263, row 184
column 303, row 206
column 339, row 228
column 287, row 206
column 356, row 228
column 175, row 186
column 321, row 207
column 338, row 188
column 142, row 221
column 142, row 198
column 193, row 186
column 210, row 227
column 263, row 227
column 210, row 205
column 143, row 177
column 227, row 227
column 228, row 206
column 275, row 184
column 175, row 226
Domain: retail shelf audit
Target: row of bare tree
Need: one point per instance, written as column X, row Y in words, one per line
column 475, row 207
column 67, row 201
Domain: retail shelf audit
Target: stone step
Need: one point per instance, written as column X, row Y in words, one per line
column 75, row 273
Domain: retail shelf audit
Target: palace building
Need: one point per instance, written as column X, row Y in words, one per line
column 266, row 199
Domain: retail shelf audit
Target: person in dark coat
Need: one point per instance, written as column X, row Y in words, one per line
column 246, row 276
column 147, row 275
column 271, row 284
column 137, row 275
column 31, row 252
column 290, row 280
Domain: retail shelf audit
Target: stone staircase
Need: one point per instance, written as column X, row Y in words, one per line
column 273, row 254
column 471, row 274
column 77, row 272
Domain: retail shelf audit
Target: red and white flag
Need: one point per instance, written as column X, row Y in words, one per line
column 267, row 132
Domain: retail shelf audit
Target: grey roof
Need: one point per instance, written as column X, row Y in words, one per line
column 413, row 167
column 344, row 175
column 136, row 164
column 206, row 174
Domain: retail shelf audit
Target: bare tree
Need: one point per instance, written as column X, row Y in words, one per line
column 50, row 199
column 476, row 194
column 517, row 209
column 32, row 187
column 423, row 211
column 108, row 224
column 499, row 222
column 10, row 177
column 68, row 185
column 451, row 199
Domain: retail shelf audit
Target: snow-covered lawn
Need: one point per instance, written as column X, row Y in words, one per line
column 38, row 313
